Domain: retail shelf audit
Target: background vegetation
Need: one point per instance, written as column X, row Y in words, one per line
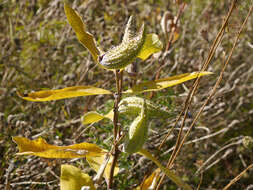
column 40, row 51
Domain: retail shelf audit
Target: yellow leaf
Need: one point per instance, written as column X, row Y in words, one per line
column 39, row 147
column 165, row 82
column 73, row 178
column 150, row 181
column 96, row 161
column 86, row 39
column 151, row 45
column 171, row 175
column 69, row 92
column 92, row 117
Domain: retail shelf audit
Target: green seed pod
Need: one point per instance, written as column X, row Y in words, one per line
column 124, row 54
column 137, row 134
column 132, row 106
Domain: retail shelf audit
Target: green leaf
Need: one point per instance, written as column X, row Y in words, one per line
column 69, row 92
column 86, row 39
column 39, row 147
column 72, row 178
column 151, row 45
column 165, row 82
column 92, row 117
column 171, row 175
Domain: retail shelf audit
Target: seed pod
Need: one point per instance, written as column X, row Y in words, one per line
column 137, row 134
column 132, row 106
column 124, row 54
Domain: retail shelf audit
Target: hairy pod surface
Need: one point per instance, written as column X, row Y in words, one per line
column 132, row 106
column 124, row 54
column 138, row 132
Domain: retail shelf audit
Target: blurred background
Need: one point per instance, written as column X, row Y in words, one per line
column 39, row 50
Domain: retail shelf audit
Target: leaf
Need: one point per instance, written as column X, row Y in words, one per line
column 92, row 117
column 151, row 45
column 150, row 182
column 86, row 39
column 171, row 175
column 68, row 92
column 165, row 82
column 96, row 161
column 72, row 178
column 39, row 147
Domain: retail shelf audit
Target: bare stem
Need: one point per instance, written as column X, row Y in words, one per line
column 116, row 129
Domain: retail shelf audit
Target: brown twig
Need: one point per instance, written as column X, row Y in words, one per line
column 116, row 130
column 237, row 177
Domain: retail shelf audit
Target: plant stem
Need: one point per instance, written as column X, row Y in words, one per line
column 116, row 129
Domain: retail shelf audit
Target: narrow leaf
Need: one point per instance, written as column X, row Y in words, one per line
column 69, row 92
column 165, row 82
column 96, row 161
column 92, row 117
column 39, row 147
column 73, row 178
column 171, row 175
column 86, row 39
column 151, row 45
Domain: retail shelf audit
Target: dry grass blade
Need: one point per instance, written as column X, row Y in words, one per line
column 189, row 98
column 237, row 177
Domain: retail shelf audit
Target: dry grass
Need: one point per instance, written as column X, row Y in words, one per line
column 39, row 50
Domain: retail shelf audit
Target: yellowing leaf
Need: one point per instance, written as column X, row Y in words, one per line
column 92, row 117
column 69, row 92
column 41, row 148
column 150, row 182
column 165, row 82
column 171, row 175
column 72, row 178
column 151, row 45
column 96, row 161
column 86, row 39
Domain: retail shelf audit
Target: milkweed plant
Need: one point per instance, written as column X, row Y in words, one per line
column 135, row 44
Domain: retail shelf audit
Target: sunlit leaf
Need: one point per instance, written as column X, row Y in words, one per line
column 151, row 45
column 165, row 82
column 92, row 117
column 72, row 178
column 39, row 147
column 171, row 175
column 150, row 182
column 69, row 92
column 96, row 161
column 86, row 39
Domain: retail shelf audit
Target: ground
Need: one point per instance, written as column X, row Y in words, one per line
column 39, row 51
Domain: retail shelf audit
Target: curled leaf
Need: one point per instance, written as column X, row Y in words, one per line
column 39, row 147
column 68, row 92
column 95, row 163
column 86, row 39
column 150, row 182
column 151, row 45
column 138, row 131
column 72, row 178
column 165, row 82
column 92, row 117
